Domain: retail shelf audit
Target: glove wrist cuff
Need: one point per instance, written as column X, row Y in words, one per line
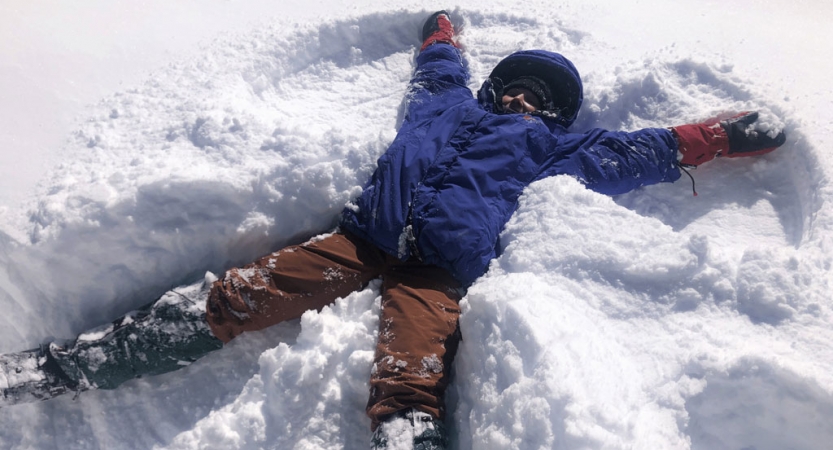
column 700, row 143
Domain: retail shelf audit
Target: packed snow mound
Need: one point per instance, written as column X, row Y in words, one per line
column 588, row 340
column 652, row 320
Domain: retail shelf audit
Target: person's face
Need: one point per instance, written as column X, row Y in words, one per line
column 520, row 100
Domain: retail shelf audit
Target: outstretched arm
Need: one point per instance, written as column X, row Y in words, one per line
column 440, row 77
column 615, row 162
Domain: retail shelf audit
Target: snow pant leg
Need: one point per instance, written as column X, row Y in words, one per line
column 283, row 285
column 160, row 337
column 418, row 339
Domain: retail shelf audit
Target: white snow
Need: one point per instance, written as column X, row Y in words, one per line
column 210, row 133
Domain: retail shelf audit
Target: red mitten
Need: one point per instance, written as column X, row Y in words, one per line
column 733, row 137
column 437, row 28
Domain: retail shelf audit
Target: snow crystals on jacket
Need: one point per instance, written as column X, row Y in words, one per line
column 451, row 179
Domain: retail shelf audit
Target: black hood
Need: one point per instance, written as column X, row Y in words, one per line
column 558, row 72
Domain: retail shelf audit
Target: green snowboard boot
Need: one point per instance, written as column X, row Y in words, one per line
column 160, row 337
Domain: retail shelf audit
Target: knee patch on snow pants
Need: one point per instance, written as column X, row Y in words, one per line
column 160, row 337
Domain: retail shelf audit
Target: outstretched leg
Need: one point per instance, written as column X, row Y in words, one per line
column 175, row 330
column 418, row 339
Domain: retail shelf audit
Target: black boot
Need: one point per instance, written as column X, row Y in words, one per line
column 431, row 25
column 31, row 376
column 410, row 429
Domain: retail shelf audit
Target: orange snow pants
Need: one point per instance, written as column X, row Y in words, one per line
column 418, row 327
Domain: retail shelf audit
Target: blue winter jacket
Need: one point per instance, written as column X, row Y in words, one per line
column 451, row 179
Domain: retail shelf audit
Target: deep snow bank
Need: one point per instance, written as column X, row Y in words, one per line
column 214, row 162
column 653, row 320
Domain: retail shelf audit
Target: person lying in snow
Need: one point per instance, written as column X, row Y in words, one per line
column 427, row 223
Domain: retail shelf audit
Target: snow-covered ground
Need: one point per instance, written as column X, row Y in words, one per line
column 199, row 136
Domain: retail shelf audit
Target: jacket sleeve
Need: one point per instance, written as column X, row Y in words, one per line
column 615, row 162
column 439, row 82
